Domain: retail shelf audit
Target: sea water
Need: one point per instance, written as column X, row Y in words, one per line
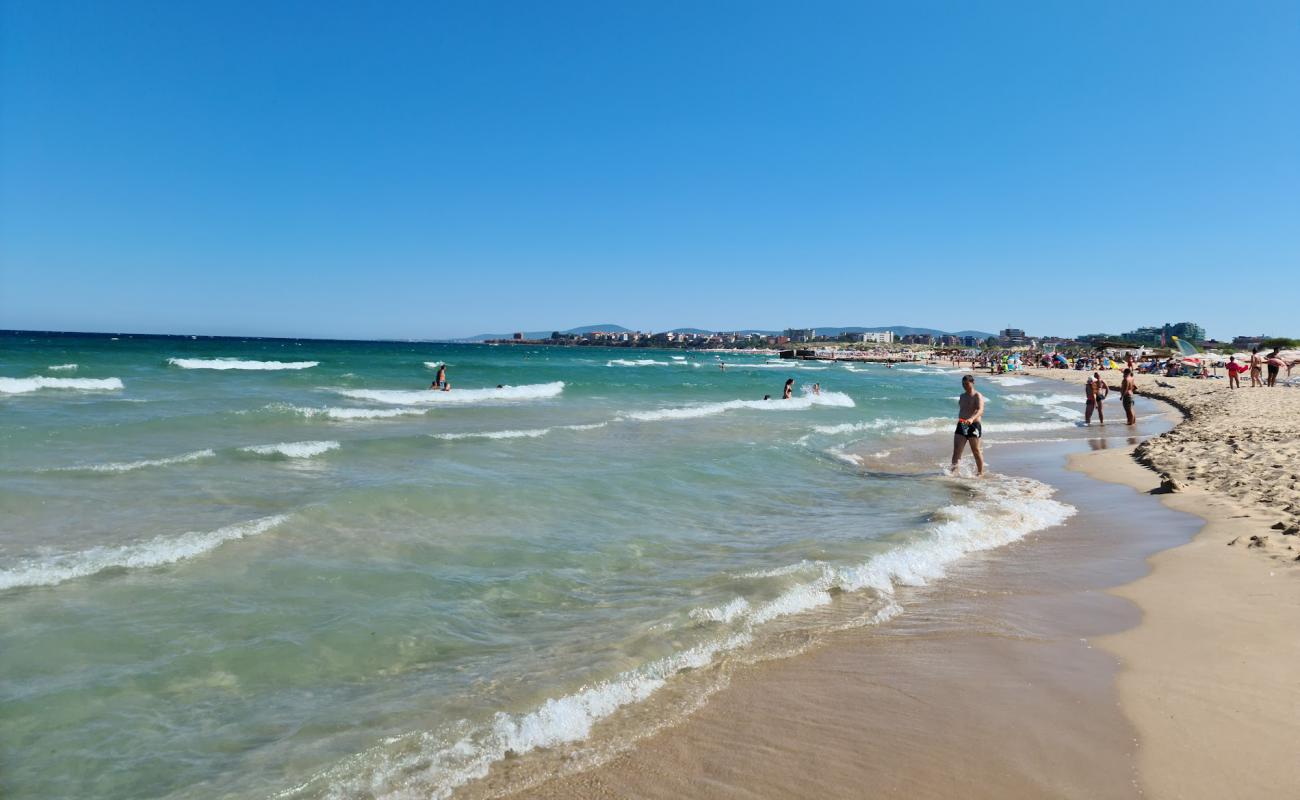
column 287, row 568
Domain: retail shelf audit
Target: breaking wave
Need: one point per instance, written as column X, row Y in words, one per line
column 801, row 403
column 156, row 552
column 529, row 433
column 934, row 425
column 348, row 414
column 406, row 397
column 130, row 466
column 25, row 385
column 235, row 363
column 61, row 367
column 639, row 362
column 292, row 449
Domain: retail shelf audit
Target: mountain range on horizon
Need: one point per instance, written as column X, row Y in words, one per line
column 829, row 330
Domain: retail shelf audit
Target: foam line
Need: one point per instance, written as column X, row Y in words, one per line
column 156, row 552
column 235, row 363
column 36, row 383
column 402, row 397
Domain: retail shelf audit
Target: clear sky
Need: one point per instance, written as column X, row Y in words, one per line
column 426, row 169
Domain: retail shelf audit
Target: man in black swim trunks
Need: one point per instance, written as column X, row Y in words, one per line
column 970, row 407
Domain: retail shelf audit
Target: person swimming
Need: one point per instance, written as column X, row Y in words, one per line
column 817, row 388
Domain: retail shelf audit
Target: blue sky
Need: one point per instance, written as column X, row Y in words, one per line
column 442, row 169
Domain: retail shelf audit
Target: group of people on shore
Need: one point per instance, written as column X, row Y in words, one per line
column 1096, row 390
column 1273, row 363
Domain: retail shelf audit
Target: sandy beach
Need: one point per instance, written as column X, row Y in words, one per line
column 1129, row 653
column 1242, row 444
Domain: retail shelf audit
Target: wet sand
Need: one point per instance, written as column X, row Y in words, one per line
column 1210, row 676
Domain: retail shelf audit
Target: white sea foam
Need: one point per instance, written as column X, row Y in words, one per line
column 802, row 403
column 638, row 362
column 528, row 433
column 1008, row 381
column 37, row 382
column 400, row 397
column 292, row 449
column 723, row 613
column 1002, row 510
column 679, row 358
column 435, row 364
column 429, row 765
column 350, row 414
column 161, row 550
column 848, row 458
column 934, row 425
column 235, row 363
column 61, row 367
column 531, row 433
column 855, row 427
column 130, row 466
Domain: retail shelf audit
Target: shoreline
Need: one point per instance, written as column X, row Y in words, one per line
column 1170, row 669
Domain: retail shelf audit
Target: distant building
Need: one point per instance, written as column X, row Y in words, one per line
column 1161, row 335
column 1012, row 337
column 1186, row 330
column 801, row 334
column 1247, row 342
column 970, row 341
column 918, row 338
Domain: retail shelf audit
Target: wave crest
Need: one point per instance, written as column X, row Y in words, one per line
column 131, row 466
column 156, row 552
column 292, row 449
column 801, row 403
column 406, row 397
column 235, row 363
column 36, row 383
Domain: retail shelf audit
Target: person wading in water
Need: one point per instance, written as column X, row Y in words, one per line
column 970, row 408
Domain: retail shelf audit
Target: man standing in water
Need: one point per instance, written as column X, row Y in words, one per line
column 970, row 407
column 1127, row 389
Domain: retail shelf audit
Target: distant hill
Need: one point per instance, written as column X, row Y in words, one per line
column 828, row 331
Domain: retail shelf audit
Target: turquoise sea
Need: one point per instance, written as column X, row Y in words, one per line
column 273, row 568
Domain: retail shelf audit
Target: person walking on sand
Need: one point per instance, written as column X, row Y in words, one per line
column 789, row 389
column 970, row 408
column 1234, row 372
column 1127, row 391
column 1274, row 363
column 1256, row 368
